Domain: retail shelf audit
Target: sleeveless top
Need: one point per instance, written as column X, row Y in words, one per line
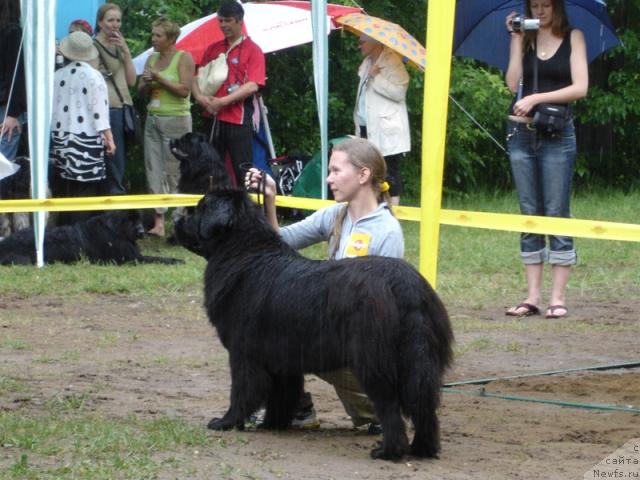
column 164, row 103
column 553, row 73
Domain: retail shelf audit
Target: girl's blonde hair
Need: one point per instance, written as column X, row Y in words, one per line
column 361, row 153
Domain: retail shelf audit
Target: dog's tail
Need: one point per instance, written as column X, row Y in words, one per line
column 427, row 352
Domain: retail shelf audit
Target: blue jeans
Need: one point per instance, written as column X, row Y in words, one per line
column 116, row 164
column 9, row 148
column 542, row 168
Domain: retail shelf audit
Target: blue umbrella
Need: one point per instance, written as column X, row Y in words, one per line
column 480, row 30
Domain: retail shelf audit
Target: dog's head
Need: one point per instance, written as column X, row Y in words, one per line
column 201, row 168
column 124, row 224
column 220, row 214
column 189, row 145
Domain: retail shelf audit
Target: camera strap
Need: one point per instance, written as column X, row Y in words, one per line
column 535, row 66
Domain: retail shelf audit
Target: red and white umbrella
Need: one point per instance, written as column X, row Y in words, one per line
column 273, row 25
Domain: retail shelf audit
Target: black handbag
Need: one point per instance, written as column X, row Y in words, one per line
column 132, row 123
column 131, row 118
column 549, row 118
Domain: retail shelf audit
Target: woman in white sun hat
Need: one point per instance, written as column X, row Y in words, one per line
column 80, row 130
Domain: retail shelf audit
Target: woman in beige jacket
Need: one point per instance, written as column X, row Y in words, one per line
column 380, row 112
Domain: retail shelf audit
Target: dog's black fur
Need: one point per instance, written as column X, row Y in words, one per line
column 200, row 165
column 281, row 315
column 106, row 238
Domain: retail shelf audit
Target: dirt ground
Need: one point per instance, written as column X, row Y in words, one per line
column 161, row 357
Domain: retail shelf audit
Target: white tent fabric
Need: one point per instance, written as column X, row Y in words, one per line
column 321, row 78
column 38, row 21
column 272, row 26
column 7, row 168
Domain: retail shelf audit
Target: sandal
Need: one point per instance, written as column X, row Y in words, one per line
column 552, row 311
column 523, row 310
column 152, row 233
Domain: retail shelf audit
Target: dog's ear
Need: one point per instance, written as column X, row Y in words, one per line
column 198, row 137
column 218, row 214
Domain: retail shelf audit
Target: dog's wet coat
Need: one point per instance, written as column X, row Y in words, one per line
column 281, row 315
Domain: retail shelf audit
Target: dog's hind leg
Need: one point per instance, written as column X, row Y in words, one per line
column 395, row 443
column 426, row 439
column 250, row 386
column 282, row 401
column 420, row 380
column 386, row 403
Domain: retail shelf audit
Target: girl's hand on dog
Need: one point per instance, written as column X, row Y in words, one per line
column 253, row 179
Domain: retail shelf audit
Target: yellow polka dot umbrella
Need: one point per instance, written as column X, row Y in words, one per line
column 389, row 34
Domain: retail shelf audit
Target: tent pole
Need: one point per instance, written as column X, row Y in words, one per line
column 267, row 128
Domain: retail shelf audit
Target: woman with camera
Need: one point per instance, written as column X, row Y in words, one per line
column 547, row 65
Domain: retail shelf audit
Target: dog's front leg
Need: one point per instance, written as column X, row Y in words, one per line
column 227, row 422
column 249, row 384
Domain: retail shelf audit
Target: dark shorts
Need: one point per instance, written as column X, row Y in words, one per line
column 393, row 174
column 393, row 169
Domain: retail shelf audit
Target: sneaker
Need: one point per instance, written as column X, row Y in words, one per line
column 374, row 429
column 305, row 418
column 256, row 417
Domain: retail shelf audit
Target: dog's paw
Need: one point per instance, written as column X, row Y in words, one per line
column 424, row 452
column 223, row 424
column 393, row 453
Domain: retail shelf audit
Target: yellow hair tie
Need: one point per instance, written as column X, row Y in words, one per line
column 384, row 187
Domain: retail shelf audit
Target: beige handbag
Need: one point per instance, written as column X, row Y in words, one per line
column 211, row 76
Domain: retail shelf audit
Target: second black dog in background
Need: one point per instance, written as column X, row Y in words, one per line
column 201, row 168
column 110, row 237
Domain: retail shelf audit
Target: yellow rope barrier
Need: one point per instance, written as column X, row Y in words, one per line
column 495, row 221
column 98, row 203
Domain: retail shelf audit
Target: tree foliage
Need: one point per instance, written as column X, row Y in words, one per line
column 607, row 121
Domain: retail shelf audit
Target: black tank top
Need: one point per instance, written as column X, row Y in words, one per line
column 553, row 73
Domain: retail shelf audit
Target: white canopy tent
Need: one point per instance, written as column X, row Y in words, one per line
column 39, row 54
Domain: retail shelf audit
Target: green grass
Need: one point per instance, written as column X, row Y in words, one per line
column 464, row 254
column 9, row 385
column 83, row 277
column 83, row 446
column 12, row 344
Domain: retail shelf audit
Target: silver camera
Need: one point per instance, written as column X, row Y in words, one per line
column 520, row 23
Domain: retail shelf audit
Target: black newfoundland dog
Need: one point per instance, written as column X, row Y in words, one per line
column 106, row 238
column 200, row 165
column 281, row 315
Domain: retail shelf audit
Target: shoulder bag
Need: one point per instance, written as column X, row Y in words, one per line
column 212, row 75
column 131, row 118
column 549, row 118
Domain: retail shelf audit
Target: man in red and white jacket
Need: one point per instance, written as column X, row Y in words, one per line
column 232, row 106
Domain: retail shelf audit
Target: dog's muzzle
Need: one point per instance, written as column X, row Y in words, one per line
column 179, row 154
